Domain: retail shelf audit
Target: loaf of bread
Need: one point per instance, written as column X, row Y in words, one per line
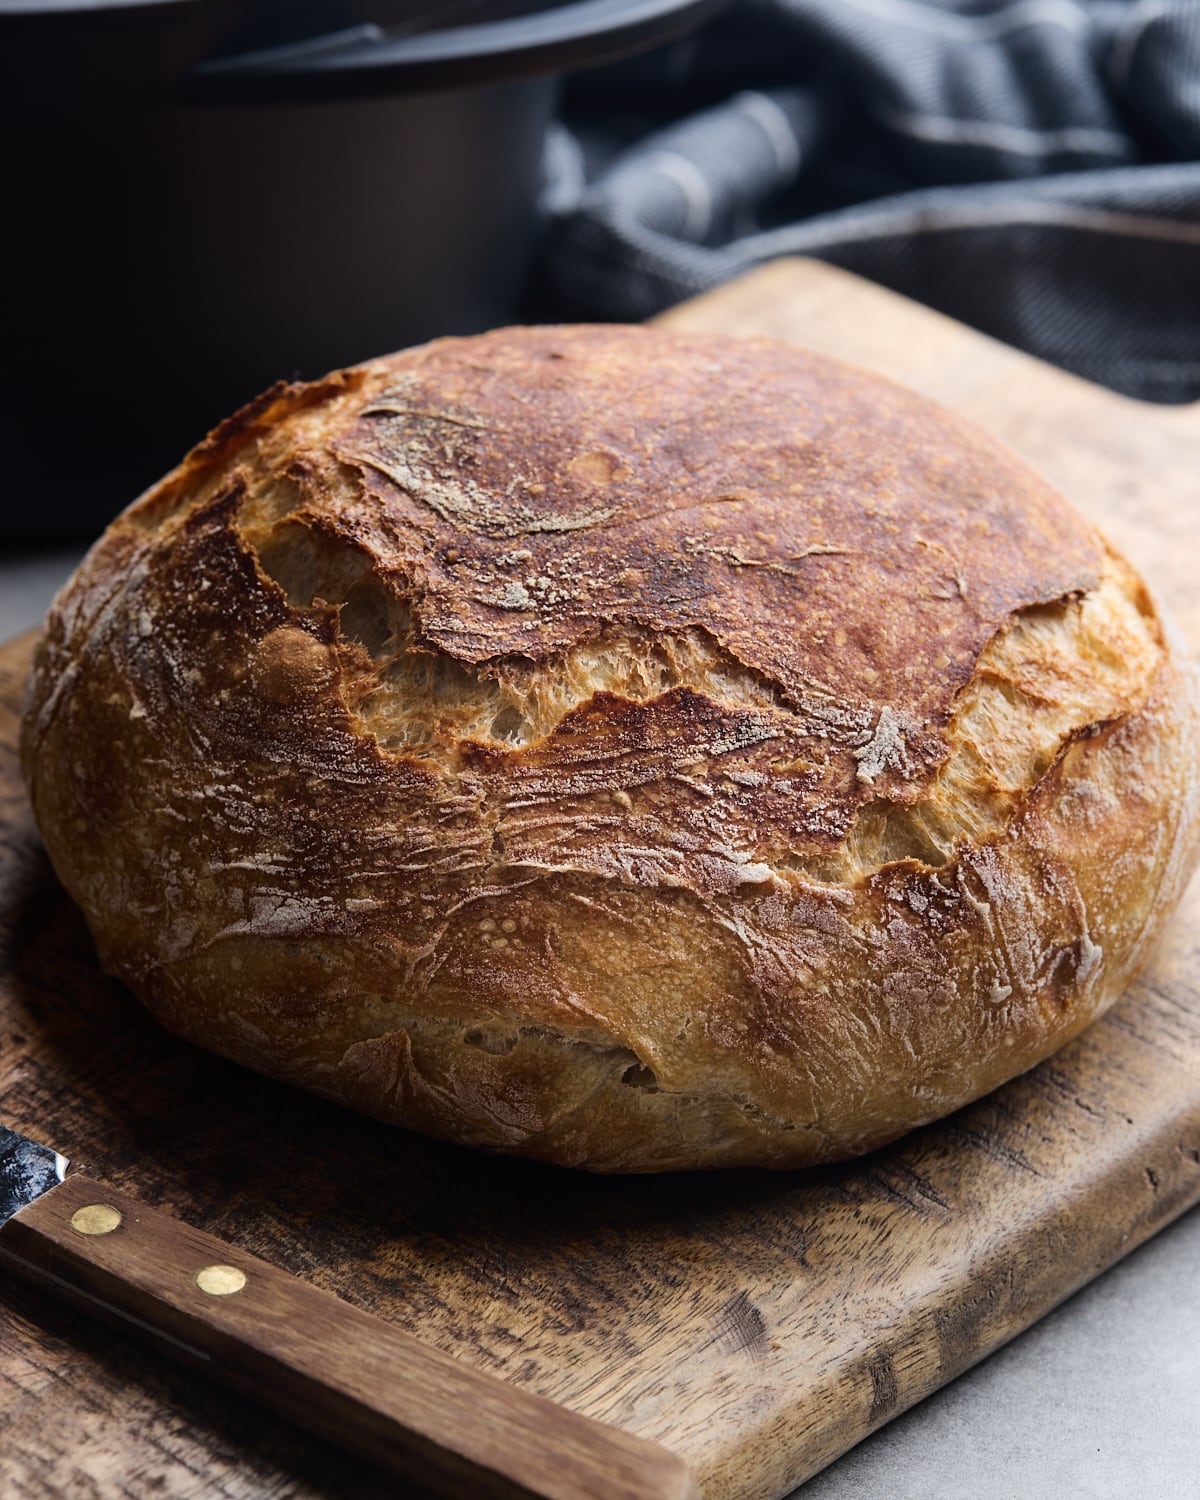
column 631, row 750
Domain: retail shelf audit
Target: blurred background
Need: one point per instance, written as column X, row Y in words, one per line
column 205, row 196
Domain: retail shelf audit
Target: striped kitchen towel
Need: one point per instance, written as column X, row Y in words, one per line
column 1031, row 167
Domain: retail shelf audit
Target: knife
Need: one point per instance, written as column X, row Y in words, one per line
column 336, row 1370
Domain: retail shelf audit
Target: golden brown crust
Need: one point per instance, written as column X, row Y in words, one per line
column 632, row 750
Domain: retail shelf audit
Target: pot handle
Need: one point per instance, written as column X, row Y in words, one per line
column 366, row 60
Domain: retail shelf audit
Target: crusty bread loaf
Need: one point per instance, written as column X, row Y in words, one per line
column 630, row 750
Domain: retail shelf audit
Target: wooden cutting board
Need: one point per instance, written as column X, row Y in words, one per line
column 757, row 1324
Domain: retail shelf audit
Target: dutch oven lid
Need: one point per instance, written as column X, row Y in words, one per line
column 258, row 51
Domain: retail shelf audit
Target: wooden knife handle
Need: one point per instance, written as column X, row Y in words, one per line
column 334, row 1369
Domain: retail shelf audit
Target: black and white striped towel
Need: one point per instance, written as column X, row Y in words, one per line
column 1031, row 167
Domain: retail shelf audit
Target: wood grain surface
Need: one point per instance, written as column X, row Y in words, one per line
column 758, row 1325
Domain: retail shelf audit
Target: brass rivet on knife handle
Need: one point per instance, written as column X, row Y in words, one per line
column 220, row 1281
column 96, row 1218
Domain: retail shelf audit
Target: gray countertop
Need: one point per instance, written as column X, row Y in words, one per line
column 28, row 581
column 1099, row 1401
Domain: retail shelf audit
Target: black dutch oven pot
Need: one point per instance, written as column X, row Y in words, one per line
column 203, row 196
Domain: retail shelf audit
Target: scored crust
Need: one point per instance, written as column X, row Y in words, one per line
column 633, row 750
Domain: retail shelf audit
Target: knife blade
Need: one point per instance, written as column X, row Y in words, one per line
column 337, row 1370
column 27, row 1170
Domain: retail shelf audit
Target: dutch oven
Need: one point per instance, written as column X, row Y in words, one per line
column 206, row 195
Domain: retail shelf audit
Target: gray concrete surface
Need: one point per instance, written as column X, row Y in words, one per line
column 28, row 582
